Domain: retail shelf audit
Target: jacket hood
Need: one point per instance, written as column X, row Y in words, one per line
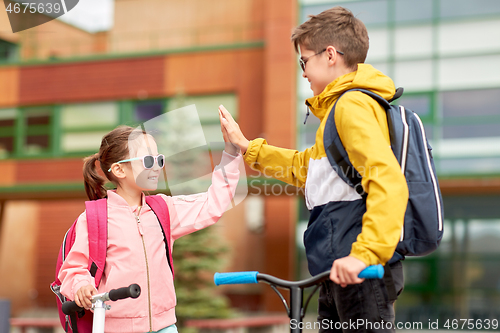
column 365, row 77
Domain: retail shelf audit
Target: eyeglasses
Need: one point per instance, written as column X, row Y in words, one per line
column 148, row 161
column 303, row 62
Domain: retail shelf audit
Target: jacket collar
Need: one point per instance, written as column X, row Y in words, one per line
column 115, row 200
column 365, row 77
column 320, row 104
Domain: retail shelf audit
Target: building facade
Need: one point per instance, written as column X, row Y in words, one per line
column 446, row 55
column 62, row 88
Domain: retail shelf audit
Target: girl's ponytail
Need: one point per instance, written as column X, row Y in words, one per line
column 114, row 147
column 94, row 183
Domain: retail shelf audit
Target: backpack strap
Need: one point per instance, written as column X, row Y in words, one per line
column 335, row 151
column 97, row 224
column 160, row 208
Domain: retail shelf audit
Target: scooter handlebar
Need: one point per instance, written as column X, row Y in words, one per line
column 132, row 291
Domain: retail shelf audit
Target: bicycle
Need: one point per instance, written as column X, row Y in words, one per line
column 70, row 307
column 296, row 310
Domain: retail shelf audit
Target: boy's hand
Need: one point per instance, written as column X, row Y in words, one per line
column 232, row 130
column 83, row 297
column 346, row 270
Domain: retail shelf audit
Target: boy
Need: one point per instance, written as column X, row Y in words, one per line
column 333, row 46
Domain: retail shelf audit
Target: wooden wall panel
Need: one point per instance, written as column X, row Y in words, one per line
column 18, row 247
column 9, row 86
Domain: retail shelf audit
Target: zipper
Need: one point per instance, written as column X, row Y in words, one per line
column 404, row 153
column 433, row 177
column 139, row 225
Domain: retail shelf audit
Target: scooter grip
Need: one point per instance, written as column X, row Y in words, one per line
column 372, row 272
column 70, row 307
column 132, row 291
column 235, row 278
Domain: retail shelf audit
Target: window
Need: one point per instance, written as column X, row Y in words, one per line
column 7, row 132
column 379, row 45
column 84, row 125
column 472, row 103
column 464, row 8
column 8, row 51
column 411, row 10
column 415, row 75
column 36, row 129
column 412, row 41
column 370, row 12
column 147, row 110
column 26, row 132
column 482, row 37
column 470, row 131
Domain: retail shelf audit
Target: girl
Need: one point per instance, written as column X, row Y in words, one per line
column 136, row 249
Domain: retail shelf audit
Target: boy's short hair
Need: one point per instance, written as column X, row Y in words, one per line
column 338, row 27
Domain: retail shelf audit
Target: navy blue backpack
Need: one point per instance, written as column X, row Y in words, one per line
column 423, row 223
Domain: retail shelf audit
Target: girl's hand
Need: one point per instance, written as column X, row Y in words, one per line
column 231, row 131
column 83, row 297
column 229, row 148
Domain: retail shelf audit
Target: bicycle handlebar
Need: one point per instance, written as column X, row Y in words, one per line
column 371, row 272
column 132, row 291
column 235, row 278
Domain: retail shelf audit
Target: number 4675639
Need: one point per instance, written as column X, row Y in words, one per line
column 471, row 324
column 32, row 8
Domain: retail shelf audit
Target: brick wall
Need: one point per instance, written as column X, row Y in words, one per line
column 54, row 219
column 90, row 81
column 279, row 126
column 263, row 78
column 49, row 171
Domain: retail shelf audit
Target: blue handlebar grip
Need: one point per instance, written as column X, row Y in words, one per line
column 235, row 278
column 372, row 272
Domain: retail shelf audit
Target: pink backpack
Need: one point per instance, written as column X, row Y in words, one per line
column 97, row 222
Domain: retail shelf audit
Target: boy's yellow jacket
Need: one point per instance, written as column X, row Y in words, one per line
column 362, row 127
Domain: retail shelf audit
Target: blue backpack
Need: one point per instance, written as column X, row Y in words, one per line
column 423, row 222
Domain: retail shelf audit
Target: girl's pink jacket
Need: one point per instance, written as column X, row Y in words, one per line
column 136, row 251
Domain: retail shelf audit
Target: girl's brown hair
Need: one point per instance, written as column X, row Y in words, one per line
column 337, row 27
column 114, row 148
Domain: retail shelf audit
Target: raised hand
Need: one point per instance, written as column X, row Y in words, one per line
column 231, row 130
column 230, row 147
